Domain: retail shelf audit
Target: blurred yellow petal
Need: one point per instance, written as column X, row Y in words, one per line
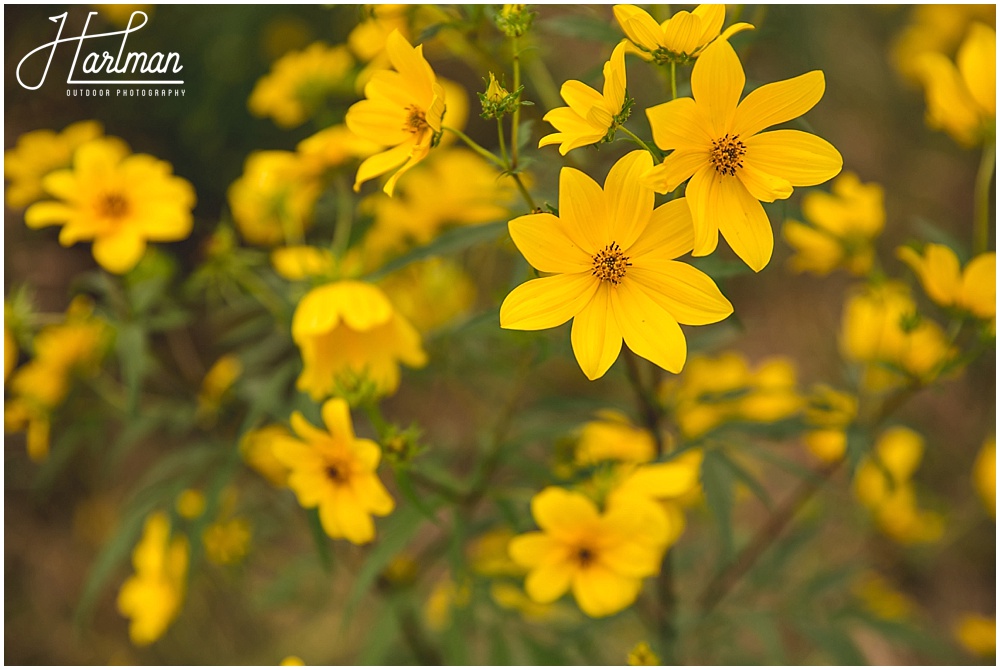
column 547, row 302
column 543, row 241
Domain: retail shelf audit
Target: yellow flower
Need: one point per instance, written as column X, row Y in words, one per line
column 118, row 200
column 292, row 660
column 977, row 634
column 591, row 116
column 190, row 503
column 430, row 293
column 984, row 475
column 973, row 290
column 335, row 471
column 881, row 599
column 488, row 554
column 217, row 382
column 368, row 39
column 10, row 352
column 302, row 262
column 153, row 596
column 445, row 597
column 300, row 83
column 226, row 542
column 257, row 448
column 403, row 109
column 615, row 273
column 614, row 438
column 601, row 557
column 21, row 416
column 680, row 38
column 829, row 412
column 962, row 100
column 38, row 153
column 454, row 187
column 936, row 28
column 333, row 147
column 511, row 597
column 272, row 201
column 349, row 331
column 641, row 654
column 718, row 143
column 845, row 223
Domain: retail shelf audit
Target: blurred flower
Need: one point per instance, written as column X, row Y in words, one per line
column 961, row 96
column 117, row 199
column 10, row 352
column 591, row 117
column 613, row 438
column 514, row 20
column 977, row 634
column 844, row 226
column 935, row 28
column 430, row 293
column 732, row 164
column 299, row 84
column 973, row 290
column 511, row 597
column 882, row 484
column 881, row 599
column 368, row 39
column 402, row 570
column 335, row 471
column 333, row 147
column 217, row 382
column 713, row 391
column 121, row 14
column 445, row 596
column 190, row 503
column 881, row 329
column 828, row 414
column 152, row 597
column 403, row 109
column 612, row 255
column 601, row 557
column 454, row 187
column 679, row 39
column 488, row 554
column 226, row 541
column 641, row 654
column 984, row 475
column 38, row 153
column 272, row 201
column 302, row 262
column 257, row 448
column 292, row 660
column 349, row 332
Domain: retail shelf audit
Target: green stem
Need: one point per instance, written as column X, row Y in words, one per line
column 515, row 119
column 673, row 80
column 524, row 192
column 981, row 223
column 503, row 143
column 638, row 140
column 475, row 146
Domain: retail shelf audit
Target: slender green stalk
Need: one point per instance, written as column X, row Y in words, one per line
column 524, row 193
column 503, row 143
column 475, row 146
column 638, row 140
column 673, row 80
column 981, row 223
column 515, row 119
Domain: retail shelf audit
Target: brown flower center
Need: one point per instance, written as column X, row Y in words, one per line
column 584, row 556
column 113, row 206
column 727, row 154
column 337, row 473
column 610, row 264
column 416, row 120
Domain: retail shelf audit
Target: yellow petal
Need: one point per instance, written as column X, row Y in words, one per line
column 547, row 583
column 629, row 202
column 560, row 512
column 379, row 164
column 615, row 80
column 119, row 252
column 799, row 157
column 778, row 102
column 600, row 592
column 308, row 432
column 543, row 241
column 582, row 208
column 977, row 61
column 703, row 194
column 329, row 520
column 712, row 17
column 354, row 521
column 689, row 294
column 533, row 549
column 639, row 26
column 378, row 120
column 366, row 452
column 663, row 480
column 668, row 235
column 763, row 186
column 680, row 124
column 547, row 302
column 744, row 224
column 409, row 61
column 716, row 83
column 938, row 270
column 682, row 32
column 595, row 336
column 43, row 214
column 674, row 169
column 580, row 97
column 648, row 329
column 979, row 286
column 337, row 417
column 632, row 559
column 368, row 489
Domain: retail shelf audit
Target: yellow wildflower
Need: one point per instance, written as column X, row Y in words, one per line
column 257, row 448
column 680, row 38
column 335, row 471
column 23, row 416
column 455, row 187
column 601, row 557
column 615, row 273
column 591, row 116
column 217, row 382
column 403, row 109
column 977, row 634
column 38, row 153
column 961, row 96
column 292, row 660
column 829, row 412
column 613, row 437
column 641, row 654
column 881, row 599
column 226, row 541
column 153, row 596
column 302, row 262
column 984, row 475
column 430, row 293
column 511, row 597
column 10, row 352
column 349, row 331
column 972, row 290
column 299, row 84
column 368, row 39
column 488, row 554
column 333, row 147
column 844, row 226
column 190, row 503
column 118, row 200
column 445, row 597
column 935, row 28
column 718, row 143
column 272, row 201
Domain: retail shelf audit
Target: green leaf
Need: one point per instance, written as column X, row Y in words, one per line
column 449, row 242
column 499, row 647
column 837, row 645
column 767, row 632
column 717, row 480
column 320, row 539
column 746, row 478
column 545, row 654
column 426, row 505
column 380, row 640
column 131, row 343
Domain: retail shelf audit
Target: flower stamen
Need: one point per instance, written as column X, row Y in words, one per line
column 727, row 154
column 416, row 120
column 585, row 556
column 336, row 474
column 610, row 264
column 113, row 206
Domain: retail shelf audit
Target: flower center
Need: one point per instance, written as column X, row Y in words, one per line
column 112, row 206
column 416, row 120
column 584, row 556
column 727, row 154
column 337, row 473
column 610, row 264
